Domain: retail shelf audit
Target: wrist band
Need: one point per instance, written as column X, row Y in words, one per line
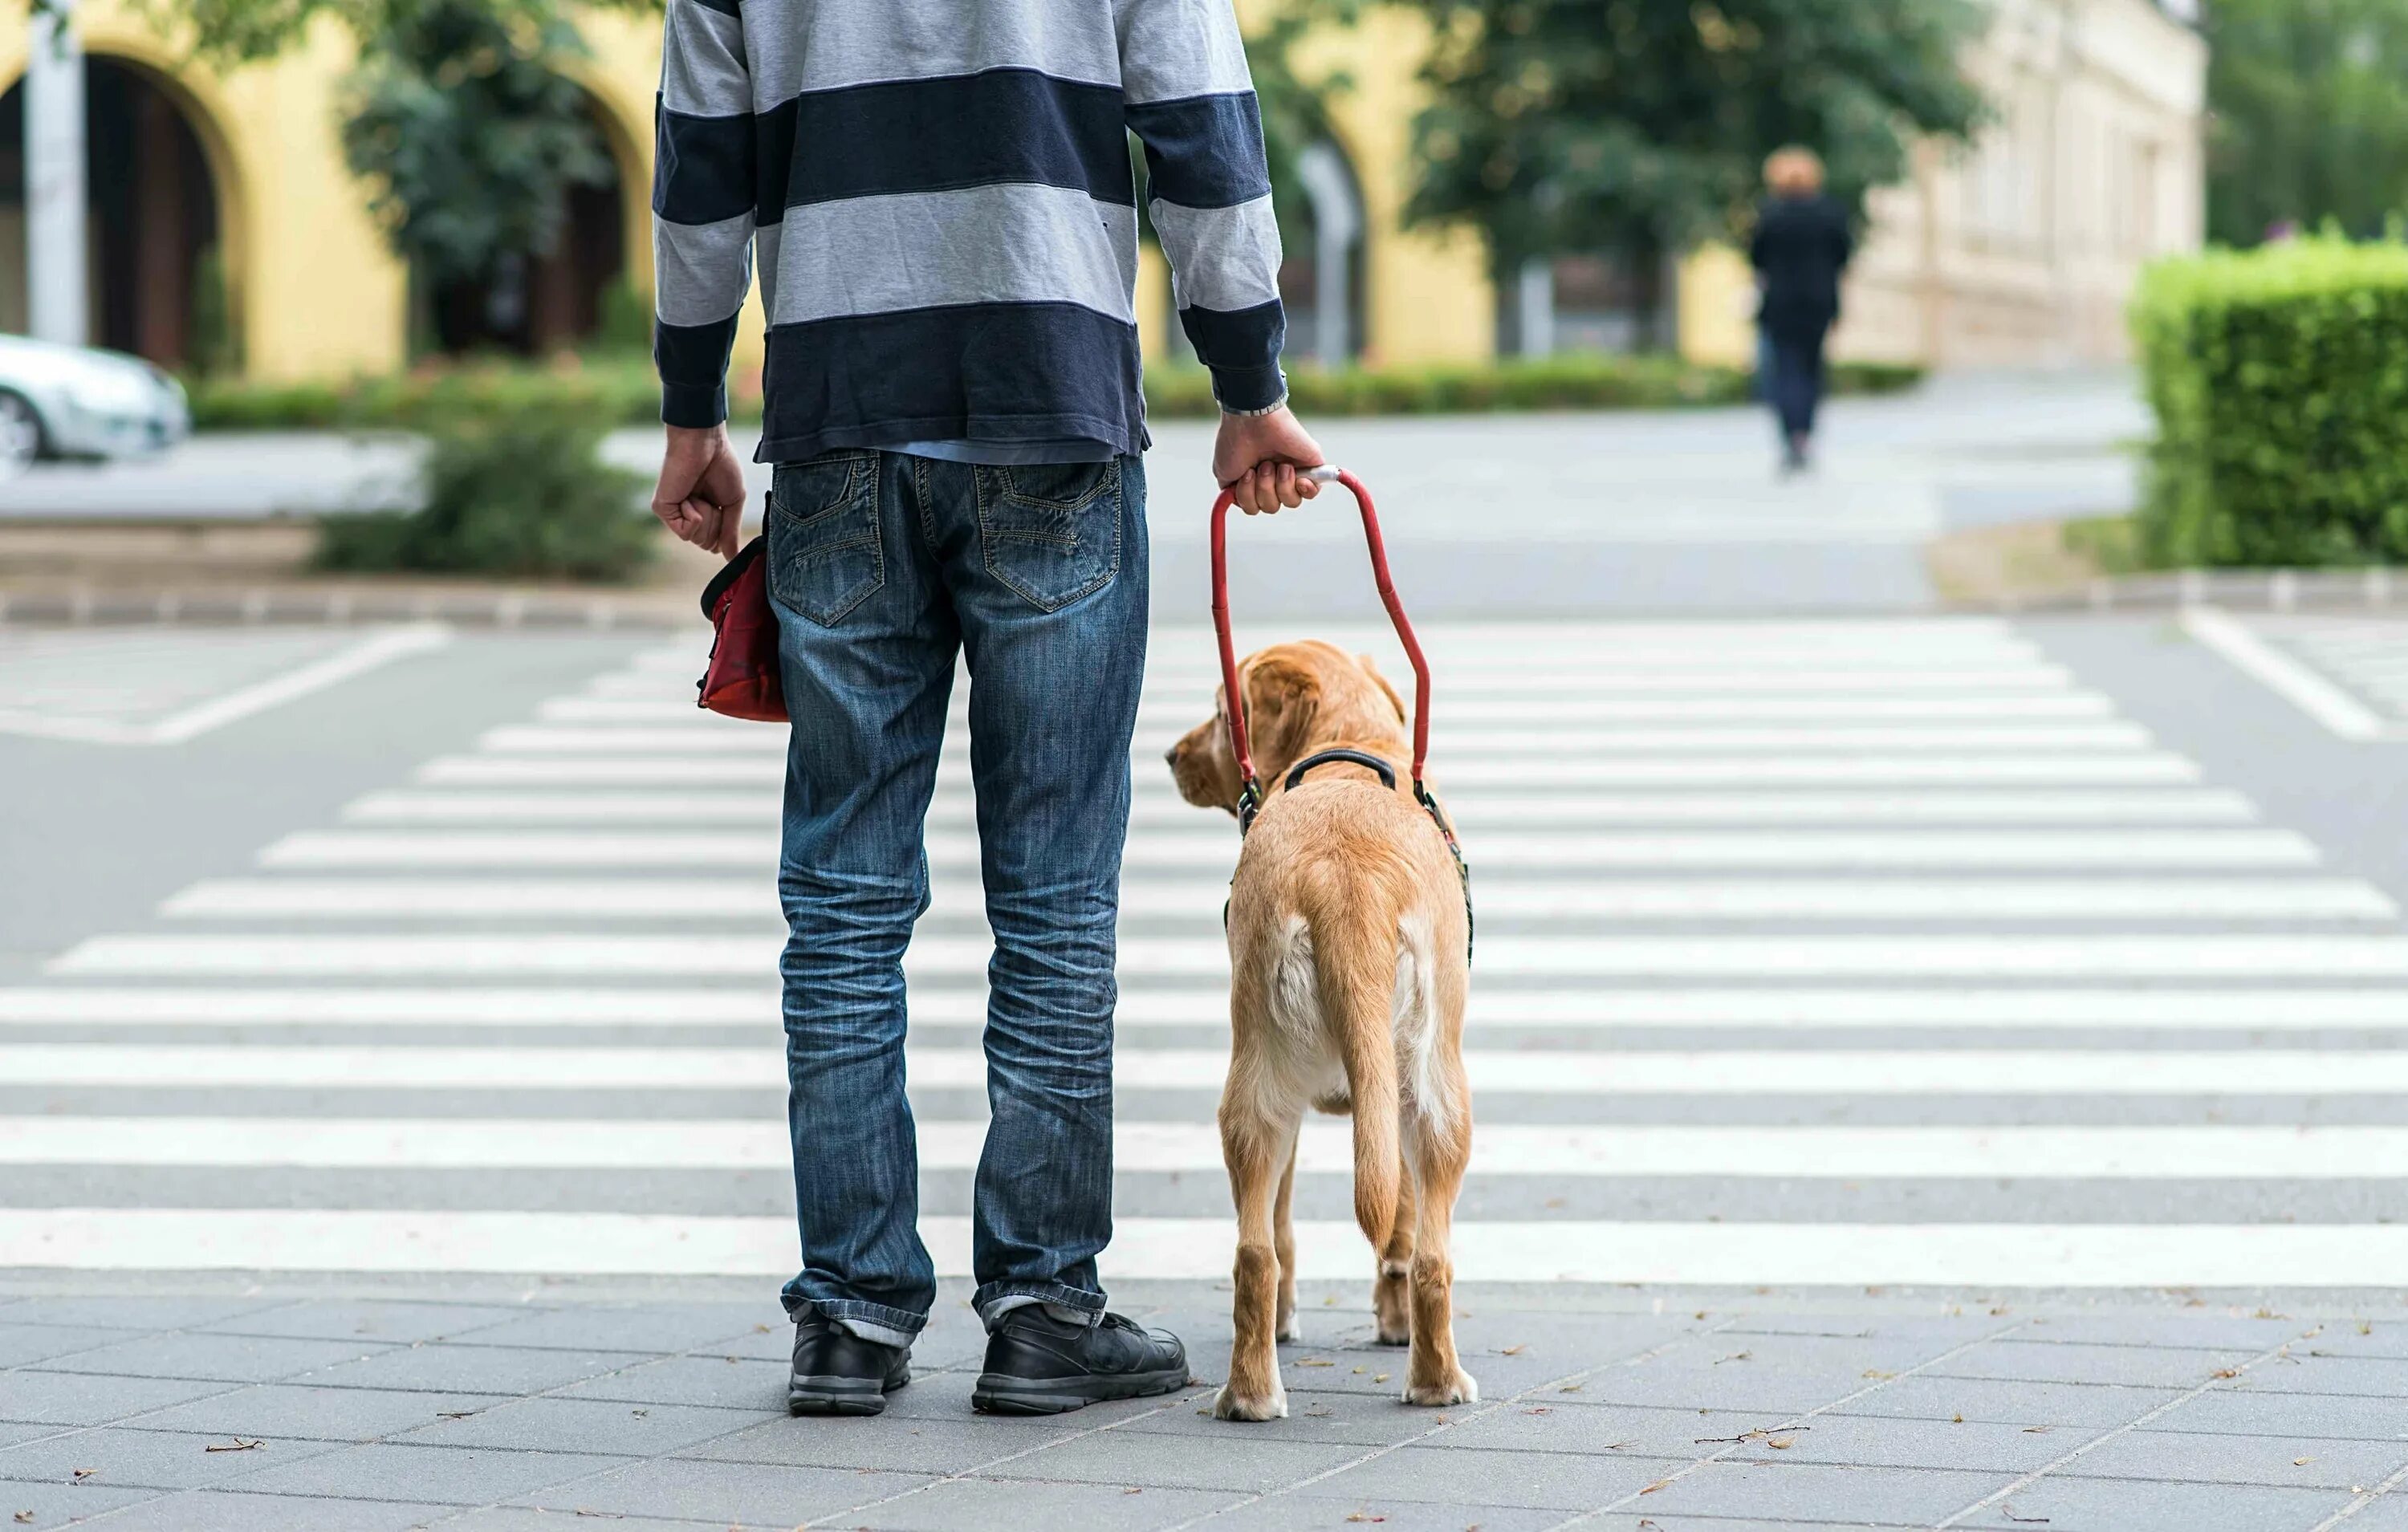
column 1272, row 408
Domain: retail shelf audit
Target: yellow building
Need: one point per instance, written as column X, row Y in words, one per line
column 2021, row 252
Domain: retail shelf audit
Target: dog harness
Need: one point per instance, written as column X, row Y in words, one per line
column 1249, row 794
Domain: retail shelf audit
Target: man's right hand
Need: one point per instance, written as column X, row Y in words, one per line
column 1259, row 460
column 700, row 497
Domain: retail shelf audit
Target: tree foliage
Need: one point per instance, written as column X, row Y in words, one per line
column 2309, row 122
column 468, row 134
column 1639, row 126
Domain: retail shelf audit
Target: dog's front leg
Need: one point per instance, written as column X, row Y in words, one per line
column 1251, row 1148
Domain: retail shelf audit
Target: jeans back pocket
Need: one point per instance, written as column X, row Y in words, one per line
column 824, row 558
column 1051, row 531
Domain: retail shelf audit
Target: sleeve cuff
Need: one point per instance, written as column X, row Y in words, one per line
column 693, row 404
column 1244, row 389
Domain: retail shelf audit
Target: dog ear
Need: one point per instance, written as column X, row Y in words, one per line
column 1283, row 702
column 1382, row 681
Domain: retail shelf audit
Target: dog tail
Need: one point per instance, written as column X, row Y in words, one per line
column 1355, row 966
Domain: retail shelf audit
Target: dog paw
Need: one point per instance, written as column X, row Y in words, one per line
column 1288, row 1330
column 1461, row 1391
column 1396, row 1333
column 1230, row 1405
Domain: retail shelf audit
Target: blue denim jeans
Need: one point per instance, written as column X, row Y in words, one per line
column 884, row 568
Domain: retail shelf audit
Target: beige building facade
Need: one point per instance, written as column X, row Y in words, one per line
column 2021, row 250
column 220, row 198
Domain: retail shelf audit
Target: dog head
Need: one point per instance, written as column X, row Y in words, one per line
column 1299, row 697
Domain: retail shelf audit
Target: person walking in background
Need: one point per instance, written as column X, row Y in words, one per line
column 940, row 194
column 1800, row 252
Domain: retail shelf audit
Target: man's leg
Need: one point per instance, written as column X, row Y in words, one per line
column 866, row 647
column 1047, row 567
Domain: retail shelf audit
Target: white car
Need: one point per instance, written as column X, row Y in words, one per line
column 76, row 401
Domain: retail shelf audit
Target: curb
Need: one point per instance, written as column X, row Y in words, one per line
column 2376, row 590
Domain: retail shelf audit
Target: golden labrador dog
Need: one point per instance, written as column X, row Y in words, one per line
column 1348, row 937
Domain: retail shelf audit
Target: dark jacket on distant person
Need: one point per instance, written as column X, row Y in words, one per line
column 1801, row 247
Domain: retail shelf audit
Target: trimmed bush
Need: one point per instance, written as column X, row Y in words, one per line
column 2280, row 380
column 523, row 493
column 620, row 389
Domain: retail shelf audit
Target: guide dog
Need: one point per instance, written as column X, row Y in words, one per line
column 1349, row 935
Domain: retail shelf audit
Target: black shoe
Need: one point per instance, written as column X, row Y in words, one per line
column 839, row 1373
column 1037, row 1365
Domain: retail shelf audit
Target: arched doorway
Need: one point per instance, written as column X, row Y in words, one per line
column 156, row 282
column 534, row 303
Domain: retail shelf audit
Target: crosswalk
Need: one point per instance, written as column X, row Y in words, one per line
column 1851, row 952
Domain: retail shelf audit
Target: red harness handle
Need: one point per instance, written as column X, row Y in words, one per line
column 1387, row 597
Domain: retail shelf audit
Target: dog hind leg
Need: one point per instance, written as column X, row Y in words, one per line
column 1392, row 1290
column 1283, row 1241
column 1251, row 1147
column 1434, row 1374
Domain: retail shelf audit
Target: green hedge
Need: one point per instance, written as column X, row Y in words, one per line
column 621, row 391
column 2280, row 381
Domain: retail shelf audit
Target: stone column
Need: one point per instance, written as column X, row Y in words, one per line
column 58, row 274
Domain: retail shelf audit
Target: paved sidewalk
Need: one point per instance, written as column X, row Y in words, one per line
column 230, row 1405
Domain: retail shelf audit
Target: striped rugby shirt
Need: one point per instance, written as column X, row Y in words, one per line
column 942, row 199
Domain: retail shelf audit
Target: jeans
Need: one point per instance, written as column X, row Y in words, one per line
column 1795, row 384
column 882, row 568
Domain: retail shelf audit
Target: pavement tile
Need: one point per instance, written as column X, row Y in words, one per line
column 392, row 1470
column 887, row 1442
column 72, row 1399
column 2199, row 1331
column 1317, row 1513
column 1558, row 1480
column 1623, row 1430
column 1948, row 1329
column 649, row 1327
column 2125, row 1505
column 135, row 1312
column 1735, row 1385
column 954, row 1504
column 946, row 1397
column 401, row 1322
column 2254, row 1413
column 1654, row 1521
column 13, row 1432
column 235, row 1358
column 2009, row 1402
column 2339, row 1338
column 768, row 1494
column 1865, row 1442
column 22, row 1345
column 695, row 1380
column 473, row 1370
column 2386, row 1376
column 1242, row 1461
column 2240, row 1460
column 2386, row 1514
column 1358, row 1369
column 1823, row 1492
column 1370, row 1420
column 236, row 1510
column 2075, row 1362
column 147, row 1459
column 57, row 1505
column 530, row 1519
column 588, row 1425
column 326, row 1414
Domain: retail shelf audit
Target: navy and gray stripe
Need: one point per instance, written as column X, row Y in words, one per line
column 953, row 174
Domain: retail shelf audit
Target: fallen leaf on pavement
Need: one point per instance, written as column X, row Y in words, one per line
column 1315, row 1362
column 1381, row 1376
column 82, row 1474
column 2226, row 1372
column 2035, row 1430
column 1653, row 1487
column 1878, row 1374
column 1957, row 1419
column 1782, row 1444
column 1735, row 1356
column 1359, row 1516
column 2301, row 1462
column 23, row 1516
column 1516, row 1350
column 2012, row 1517
column 240, row 1445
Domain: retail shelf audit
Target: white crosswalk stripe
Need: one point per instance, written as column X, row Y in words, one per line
column 1825, row 951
